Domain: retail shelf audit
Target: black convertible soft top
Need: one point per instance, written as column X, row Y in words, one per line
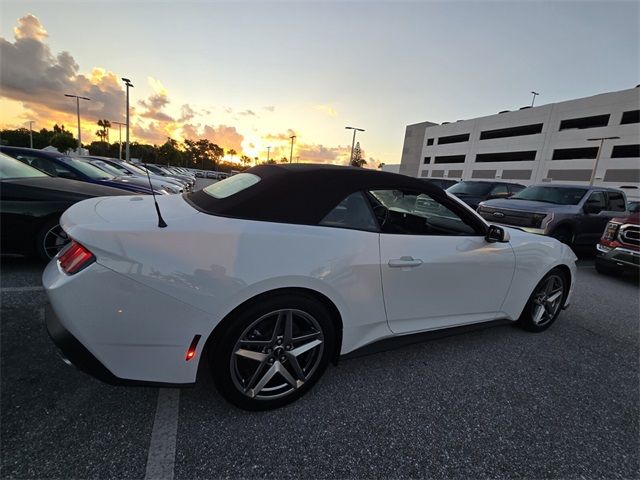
column 302, row 193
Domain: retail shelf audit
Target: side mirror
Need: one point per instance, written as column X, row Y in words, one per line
column 592, row 209
column 497, row 234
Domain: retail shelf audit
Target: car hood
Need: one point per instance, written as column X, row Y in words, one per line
column 523, row 205
column 68, row 186
column 633, row 219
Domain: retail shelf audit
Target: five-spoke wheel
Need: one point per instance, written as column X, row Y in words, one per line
column 270, row 353
column 545, row 302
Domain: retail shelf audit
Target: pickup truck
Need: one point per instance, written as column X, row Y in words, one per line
column 619, row 248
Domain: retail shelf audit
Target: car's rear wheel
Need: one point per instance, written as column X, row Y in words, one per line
column 50, row 239
column 272, row 352
column 545, row 302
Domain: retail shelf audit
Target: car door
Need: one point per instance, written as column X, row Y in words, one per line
column 437, row 268
column 592, row 224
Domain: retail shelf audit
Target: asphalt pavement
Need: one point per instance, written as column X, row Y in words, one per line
column 497, row 402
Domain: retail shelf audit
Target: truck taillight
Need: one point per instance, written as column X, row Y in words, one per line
column 74, row 258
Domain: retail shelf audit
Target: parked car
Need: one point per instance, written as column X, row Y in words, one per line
column 138, row 170
column 140, row 181
column 619, row 248
column 160, row 184
column 291, row 284
column 443, row 183
column 472, row 192
column 59, row 165
column 158, row 170
column 573, row 214
column 31, row 203
column 633, row 207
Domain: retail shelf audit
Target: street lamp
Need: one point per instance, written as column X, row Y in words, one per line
column 595, row 167
column 292, row 137
column 354, row 140
column 268, row 151
column 31, row 133
column 120, row 124
column 78, row 98
column 128, row 83
column 535, row 94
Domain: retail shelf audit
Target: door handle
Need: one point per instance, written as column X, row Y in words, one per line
column 405, row 262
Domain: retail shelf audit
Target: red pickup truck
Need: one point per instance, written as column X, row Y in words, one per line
column 619, row 248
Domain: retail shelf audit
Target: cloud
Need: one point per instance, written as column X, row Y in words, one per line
column 269, row 108
column 224, row 136
column 318, row 153
column 328, row 109
column 33, row 75
column 248, row 113
column 156, row 102
column 186, row 113
column 280, row 136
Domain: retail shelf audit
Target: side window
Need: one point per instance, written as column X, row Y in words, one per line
column 499, row 191
column 597, row 199
column 412, row 213
column 42, row 164
column 616, row 202
column 352, row 212
column 516, row 188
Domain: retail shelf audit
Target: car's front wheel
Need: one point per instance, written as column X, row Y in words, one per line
column 545, row 302
column 272, row 352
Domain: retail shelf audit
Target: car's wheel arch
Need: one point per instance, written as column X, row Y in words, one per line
column 564, row 269
column 325, row 301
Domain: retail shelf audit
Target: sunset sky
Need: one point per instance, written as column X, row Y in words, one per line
column 247, row 75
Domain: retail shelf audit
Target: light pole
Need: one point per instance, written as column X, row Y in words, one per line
column 292, row 137
column 119, row 138
column 128, row 83
column 353, row 143
column 535, row 94
column 31, row 133
column 78, row 98
column 595, row 167
column 268, row 151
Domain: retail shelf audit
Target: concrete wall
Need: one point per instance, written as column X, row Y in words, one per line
column 614, row 172
column 412, row 149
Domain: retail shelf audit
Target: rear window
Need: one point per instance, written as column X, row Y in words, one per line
column 232, row 185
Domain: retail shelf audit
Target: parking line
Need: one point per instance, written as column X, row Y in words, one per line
column 162, row 448
column 20, row 289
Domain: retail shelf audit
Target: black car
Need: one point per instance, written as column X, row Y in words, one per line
column 31, row 203
column 472, row 192
column 443, row 183
column 60, row 165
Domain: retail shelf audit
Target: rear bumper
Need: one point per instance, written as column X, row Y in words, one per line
column 73, row 352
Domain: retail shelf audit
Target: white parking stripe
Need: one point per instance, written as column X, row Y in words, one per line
column 20, row 289
column 162, row 449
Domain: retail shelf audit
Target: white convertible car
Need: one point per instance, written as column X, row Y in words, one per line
column 269, row 275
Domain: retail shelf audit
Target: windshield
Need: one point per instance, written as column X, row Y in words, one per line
column 12, row 168
column 86, row 168
column 232, row 185
column 136, row 168
column 470, row 188
column 109, row 169
column 557, row 195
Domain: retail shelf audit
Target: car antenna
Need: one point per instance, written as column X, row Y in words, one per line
column 161, row 222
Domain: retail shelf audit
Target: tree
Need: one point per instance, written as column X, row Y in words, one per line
column 357, row 160
column 63, row 142
column 103, row 134
column 203, row 152
column 284, row 160
column 245, row 160
column 231, row 152
column 170, row 154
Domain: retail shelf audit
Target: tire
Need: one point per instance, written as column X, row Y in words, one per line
column 50, row 239
column 269, row 373
column 564, row 235
column 542, row 309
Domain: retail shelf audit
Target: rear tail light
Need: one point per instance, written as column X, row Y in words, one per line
column 74, row 258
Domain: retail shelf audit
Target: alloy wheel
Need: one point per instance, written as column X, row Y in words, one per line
column 54, row 240
column 277, row 354
column 547, row 300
